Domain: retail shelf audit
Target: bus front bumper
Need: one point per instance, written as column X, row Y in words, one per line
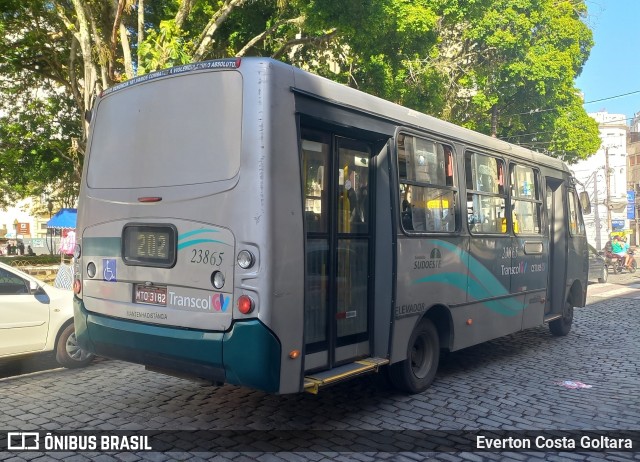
column 248, row 354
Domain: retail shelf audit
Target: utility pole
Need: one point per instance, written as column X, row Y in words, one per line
column 596, row 214
column 608, row 181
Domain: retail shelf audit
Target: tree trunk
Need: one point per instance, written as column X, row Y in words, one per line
column 126, row 52
column 140, row 29
column 183, row 12
column 113, row 42
column 90, row 71
column 206, row 38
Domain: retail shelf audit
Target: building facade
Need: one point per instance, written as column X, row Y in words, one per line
column 633, row 172
column 19, row 223
column 604, row 177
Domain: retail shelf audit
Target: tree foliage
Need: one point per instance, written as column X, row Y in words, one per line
column 502, row 67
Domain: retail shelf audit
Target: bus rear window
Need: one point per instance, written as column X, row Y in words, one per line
column 171, row 132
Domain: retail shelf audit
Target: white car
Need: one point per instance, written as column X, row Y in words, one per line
column 37, row 317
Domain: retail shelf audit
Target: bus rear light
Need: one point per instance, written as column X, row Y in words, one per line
column 77, row 251
column 91, row 270
column 245, row 304
column 149, row 199
column 77, row 286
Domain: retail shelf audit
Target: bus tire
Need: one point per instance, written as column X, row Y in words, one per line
column 562, row 326
column 68, row 352
column 415, row 374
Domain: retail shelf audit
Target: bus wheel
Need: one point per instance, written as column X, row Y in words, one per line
column 416, row 373
column 562, row 326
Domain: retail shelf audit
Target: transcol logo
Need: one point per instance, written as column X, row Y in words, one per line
column 523, row 267
column 215, row 302
column 520, row 268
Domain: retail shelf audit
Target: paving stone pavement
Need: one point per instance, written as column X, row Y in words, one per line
column 509, row 384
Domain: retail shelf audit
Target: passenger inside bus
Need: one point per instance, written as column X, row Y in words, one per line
column 436, row 212
column 407, row 222
column 363, row 195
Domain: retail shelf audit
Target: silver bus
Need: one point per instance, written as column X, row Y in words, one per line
column 247, row 222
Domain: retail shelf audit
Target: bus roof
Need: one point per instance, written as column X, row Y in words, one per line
column 344, row 96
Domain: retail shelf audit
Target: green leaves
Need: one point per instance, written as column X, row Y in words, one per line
column 502, row 67
column 34, row 149
column 516, row 61
column 168, row 46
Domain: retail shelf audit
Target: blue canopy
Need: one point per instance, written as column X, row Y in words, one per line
column 63, row 219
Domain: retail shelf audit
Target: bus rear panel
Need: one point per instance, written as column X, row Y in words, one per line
column 175, row 258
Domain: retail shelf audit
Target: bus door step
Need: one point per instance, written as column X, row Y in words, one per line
column 313, row 382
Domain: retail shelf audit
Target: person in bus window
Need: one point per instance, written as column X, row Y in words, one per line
column 447, row 220
column 363, row 193
column 407, row 219
column 350, row 187
column 419, row 217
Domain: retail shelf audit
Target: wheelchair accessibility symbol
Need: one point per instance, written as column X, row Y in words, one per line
column 109, row 269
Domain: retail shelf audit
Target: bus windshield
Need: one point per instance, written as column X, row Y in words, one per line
column 144, row 134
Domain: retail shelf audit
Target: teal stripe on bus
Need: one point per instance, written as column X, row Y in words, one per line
column 197, row 231
column 202, row 240
column 186, row 244
column 252, row 355
column 101, row 246
column 196, row 346
column 480, row 284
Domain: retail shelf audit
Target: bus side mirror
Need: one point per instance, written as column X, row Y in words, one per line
column 585, row 203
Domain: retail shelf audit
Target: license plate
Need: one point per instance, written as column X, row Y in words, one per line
column 150, row 295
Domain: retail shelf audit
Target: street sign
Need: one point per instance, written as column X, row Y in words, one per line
column 617, row 225
column 22, row 229
column 631, row 205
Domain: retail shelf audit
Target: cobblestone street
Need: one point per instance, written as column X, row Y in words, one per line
column 506, row 384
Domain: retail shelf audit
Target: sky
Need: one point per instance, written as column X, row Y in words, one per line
column 613, row 67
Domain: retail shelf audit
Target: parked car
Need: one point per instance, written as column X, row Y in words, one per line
column 37, row 317
column 598, row 268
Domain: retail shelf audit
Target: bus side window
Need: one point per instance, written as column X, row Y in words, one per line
column 486, row 198
column 526, row 200
column 576, row 225
column 427, row 192
column 315, row 154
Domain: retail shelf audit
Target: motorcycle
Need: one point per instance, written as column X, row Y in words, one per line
column 616, row 262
